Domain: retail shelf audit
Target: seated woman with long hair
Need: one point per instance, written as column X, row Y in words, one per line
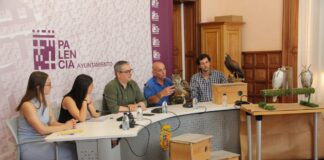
column 78, row 101
column 36, row 120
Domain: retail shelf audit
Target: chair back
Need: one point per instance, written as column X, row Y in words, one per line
column 13, row 126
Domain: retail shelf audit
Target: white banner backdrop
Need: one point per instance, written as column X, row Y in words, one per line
column 82, row 36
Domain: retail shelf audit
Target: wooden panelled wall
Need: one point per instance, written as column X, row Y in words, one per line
column 258, row 67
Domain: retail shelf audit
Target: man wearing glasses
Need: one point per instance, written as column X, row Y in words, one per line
column 122, row 93
column 159, row 87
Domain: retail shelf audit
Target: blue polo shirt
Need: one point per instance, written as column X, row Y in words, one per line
column 152, row 87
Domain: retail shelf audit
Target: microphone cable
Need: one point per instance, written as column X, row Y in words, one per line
column 160, row 124
column 148, row 120
column 178, row 121
column 147, row 144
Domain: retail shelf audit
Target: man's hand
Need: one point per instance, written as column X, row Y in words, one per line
column 167, row 91
column 132, row 107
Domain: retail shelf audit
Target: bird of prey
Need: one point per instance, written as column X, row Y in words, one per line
column 279, row 79
column 306, row 77
column 181, row 90
column 233, row 67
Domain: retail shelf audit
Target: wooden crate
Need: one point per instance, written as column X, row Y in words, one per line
column 190, row 147
column 231, row 90
column 224, row 155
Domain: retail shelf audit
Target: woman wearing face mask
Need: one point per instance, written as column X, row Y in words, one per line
column 36, row 120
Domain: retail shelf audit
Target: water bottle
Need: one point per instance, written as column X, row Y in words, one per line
column 125, row 122
column 139, row 113
column 224, row 100
column 164, row 107
column 194, row 103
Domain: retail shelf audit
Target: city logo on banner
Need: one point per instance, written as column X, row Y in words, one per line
column 50, row 53
column 155, row 3
column 156, row 55
column 155, row 29
column 155, row 16
column 156, row 42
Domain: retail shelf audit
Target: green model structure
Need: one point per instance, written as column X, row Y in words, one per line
column 287, row 92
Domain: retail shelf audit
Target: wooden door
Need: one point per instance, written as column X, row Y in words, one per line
column 211, row 45
column 177, row 48
column 219, row 39
column 192, row 35
column 232, row 44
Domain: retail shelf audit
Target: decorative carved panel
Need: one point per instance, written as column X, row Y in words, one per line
column 258, row 67
column 260, row 75
column 260, row 60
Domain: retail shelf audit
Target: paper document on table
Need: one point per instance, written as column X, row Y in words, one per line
column 70, row 132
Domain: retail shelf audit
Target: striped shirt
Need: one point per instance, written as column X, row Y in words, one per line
column 201, row 88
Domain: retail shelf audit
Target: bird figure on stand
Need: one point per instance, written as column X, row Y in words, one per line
column 306, row 78
column 279, row 80
column 234, row 68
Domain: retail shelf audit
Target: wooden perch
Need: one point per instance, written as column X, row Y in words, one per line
column 286, row 92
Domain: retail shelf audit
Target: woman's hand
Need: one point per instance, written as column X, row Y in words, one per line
column 71, row 124
column 88, row 99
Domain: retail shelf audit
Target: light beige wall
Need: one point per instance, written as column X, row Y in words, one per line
column 263, row 20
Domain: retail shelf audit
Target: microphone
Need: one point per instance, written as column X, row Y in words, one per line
column 156, row 110
column 131, row 118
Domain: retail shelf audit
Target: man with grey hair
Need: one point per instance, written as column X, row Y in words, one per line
column 122, row 93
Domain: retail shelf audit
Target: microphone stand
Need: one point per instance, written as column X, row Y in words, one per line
column 240, row 102
column 131, row 118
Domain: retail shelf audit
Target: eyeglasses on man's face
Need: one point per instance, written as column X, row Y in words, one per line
column 127, row 71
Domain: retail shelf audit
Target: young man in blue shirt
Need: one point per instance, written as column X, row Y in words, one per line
column 159, row 87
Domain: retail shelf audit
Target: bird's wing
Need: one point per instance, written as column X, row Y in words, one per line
column 228, row 65
column 237, row 69
column 277, row 79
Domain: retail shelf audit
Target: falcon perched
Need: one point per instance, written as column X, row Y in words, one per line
column 233, row 67
column 279, row 79
column 306, row 77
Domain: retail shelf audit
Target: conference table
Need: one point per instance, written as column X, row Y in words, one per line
column 94, row 137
